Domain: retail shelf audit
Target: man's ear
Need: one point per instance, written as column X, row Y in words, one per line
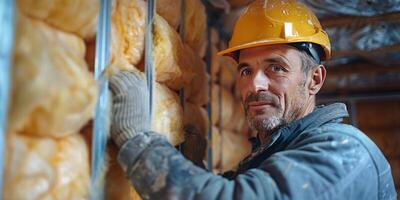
column 317, row 77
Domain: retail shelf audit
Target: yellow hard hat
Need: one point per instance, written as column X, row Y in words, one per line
column 268, row 22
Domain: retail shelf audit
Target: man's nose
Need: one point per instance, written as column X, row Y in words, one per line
column 260, row 82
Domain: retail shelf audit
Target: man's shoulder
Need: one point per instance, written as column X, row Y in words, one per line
column 333, row 131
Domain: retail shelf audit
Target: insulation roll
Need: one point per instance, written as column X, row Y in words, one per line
column 227, row 106
column 170, row 10
column 46, row 168
column 128, row 22
column 234, row 149
column 168, row 115
column 195, row 23
column 127, row 43
column 197, row 90
column 53, row 93
column 238, row 118
column 227, row 72
column 170, row 65
column 74, row 16
column 196, row 117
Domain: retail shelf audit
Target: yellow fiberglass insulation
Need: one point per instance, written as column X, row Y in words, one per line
column 196, row 117
column 128, row 21
column 170, row 10
column 233, row 149
column 226, row 104
column 195, row 25
column 171, row 66
column 46, row 168
column 196, row 91
column 74, row 16
column 227, row 76
column 168, row 115
column 127, row 42
column 53, row 93
column 238, row 119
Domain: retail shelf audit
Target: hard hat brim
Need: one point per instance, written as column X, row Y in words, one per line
column 231, row 51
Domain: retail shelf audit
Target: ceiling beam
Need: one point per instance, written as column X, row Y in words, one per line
column 359, row 20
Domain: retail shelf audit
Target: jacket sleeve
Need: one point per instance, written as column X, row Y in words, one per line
column 318, row 167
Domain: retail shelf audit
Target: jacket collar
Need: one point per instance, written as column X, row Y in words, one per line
column 322, row 114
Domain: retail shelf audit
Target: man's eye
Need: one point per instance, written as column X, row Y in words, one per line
column 277, row 68
column 245, row 72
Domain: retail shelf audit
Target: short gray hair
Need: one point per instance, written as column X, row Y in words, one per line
column 307, row 62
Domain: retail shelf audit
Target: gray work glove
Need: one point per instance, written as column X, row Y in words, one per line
column 130, row 108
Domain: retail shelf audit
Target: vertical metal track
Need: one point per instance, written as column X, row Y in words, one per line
column 101, row 118
column 209, row 107
column 148, row 62
column 7, row 8
column 182, row 36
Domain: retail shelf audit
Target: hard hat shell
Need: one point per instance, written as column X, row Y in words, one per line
column 269, row 22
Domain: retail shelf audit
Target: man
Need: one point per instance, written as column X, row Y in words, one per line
column 303, row 151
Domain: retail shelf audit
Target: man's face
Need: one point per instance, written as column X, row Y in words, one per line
column 272, row 86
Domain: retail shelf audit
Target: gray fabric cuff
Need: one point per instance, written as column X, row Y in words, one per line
column 134, row 147
column 123, row 137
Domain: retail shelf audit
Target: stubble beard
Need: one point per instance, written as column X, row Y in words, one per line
column 270, row 124
column 267, row 125
column 264, row 124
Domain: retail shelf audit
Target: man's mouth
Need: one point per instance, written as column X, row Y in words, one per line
column 256, row 104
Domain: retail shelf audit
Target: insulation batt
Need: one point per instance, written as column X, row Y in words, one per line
column 46, row 168
column 228, row 72
column 238, row 118
column 169, row 56
column 117, row 186
column 127, row 43
column 168, row 115
column 75, row 16
column 234, row 149
column 196, row 91
column 170, row 10
column 53, row 93
column 195, row 25
column 128, row 21
column 227, row 106
column 196, row 116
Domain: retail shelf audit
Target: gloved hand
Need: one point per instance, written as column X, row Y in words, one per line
column 131, row 112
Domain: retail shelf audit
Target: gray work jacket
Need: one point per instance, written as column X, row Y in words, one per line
column 316, row 157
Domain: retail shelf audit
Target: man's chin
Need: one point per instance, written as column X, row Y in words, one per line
column 265, row 124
